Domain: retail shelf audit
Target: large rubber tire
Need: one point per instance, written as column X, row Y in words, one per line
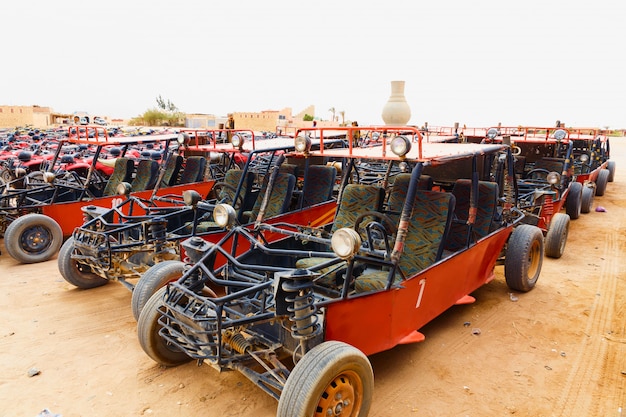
column 611, row 167
column 524, row 257
column 148, row 333
column 573, row 203
column 74, row 273
column 601, row 181
column 587, row 199
column 331, row 376
column 33, row 238
column 152, row 280
column 556, row 238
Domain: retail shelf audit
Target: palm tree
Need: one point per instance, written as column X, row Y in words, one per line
column 343, row 117
column 332, row 110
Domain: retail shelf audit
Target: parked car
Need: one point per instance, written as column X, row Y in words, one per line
column 299, row 315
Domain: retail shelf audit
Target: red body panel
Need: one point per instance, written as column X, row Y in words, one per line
column 69, row 215
column 379, row 321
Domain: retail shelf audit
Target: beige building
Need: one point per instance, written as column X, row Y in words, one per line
column 278, row 121
column 36, row 116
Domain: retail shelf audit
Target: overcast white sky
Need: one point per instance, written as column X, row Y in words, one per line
column 478, row 62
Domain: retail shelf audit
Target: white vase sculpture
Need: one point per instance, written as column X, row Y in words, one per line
column 396, row 111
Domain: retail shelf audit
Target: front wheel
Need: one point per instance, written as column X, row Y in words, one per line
column 76, row 274
column 524, row 257
column 152, row 280
column 151, row 342
column 556, row 238
column 331, row 379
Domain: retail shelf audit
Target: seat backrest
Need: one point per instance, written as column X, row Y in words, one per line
column 357, row 199
column 279, row 200
column 320, row 184
column 122, row 172
column 146, row 175
column 193, row 170
column 172, row 169
column 400, row 187
column 461, row 234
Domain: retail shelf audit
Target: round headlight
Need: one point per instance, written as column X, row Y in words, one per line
column 182, row 138
column 191, row 197
column 400, row 145
column 553, row 178
column 237, row 141
column 404, row 167
column 123, row 188
column 560, row 134
column 345, row 242
column 49, row 177
column 492, row 133
column 302, row 144
column 224, row 215
column 584, row 158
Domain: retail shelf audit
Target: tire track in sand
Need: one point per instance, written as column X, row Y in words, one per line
column 585, row 390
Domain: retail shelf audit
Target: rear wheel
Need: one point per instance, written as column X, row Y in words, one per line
column 152, row 280
column 149, row 338
column 573, row 203
column 601, row 181
column 587, row 199
column 76, row 274
column 556, row 238
column 331, row 379
column 524, row 257
column 33, row 238
column 611, row 167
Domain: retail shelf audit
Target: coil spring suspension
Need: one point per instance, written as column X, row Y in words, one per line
column 548, row 205
column 237, row 341
column 302, row 309
column 158, row 231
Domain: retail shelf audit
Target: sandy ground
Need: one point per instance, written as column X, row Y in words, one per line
column 559, row 350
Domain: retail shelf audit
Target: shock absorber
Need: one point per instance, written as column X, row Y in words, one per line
column 298, row 287
column 158, row 230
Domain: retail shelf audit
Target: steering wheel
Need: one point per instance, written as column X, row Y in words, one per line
column 376, row 232
column 224, row 193
column 533, row 174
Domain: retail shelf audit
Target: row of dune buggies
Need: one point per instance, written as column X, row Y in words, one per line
column 292, row 260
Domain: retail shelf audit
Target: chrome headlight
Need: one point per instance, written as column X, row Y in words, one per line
column 191, row 197
column 302, row 144
column 492, row 133
column 123, row 188
column 400, row 145
column 345, row 242
column 584, row 158
column 182, row 138
column 237, row 141
column 224, row 215
column 553, row 178
column 404, row 167
column 49, row 177
column 560, row 134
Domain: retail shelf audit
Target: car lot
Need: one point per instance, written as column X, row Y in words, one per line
column 554, row 351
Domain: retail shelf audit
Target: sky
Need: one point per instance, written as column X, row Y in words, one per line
column 476, row 62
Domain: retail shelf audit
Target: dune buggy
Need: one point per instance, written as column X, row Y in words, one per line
column 299, row 315
column 122, row 243
column 41, row 207
column 546, row 183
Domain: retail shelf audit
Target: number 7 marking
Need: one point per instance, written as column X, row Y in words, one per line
column 419, row 297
